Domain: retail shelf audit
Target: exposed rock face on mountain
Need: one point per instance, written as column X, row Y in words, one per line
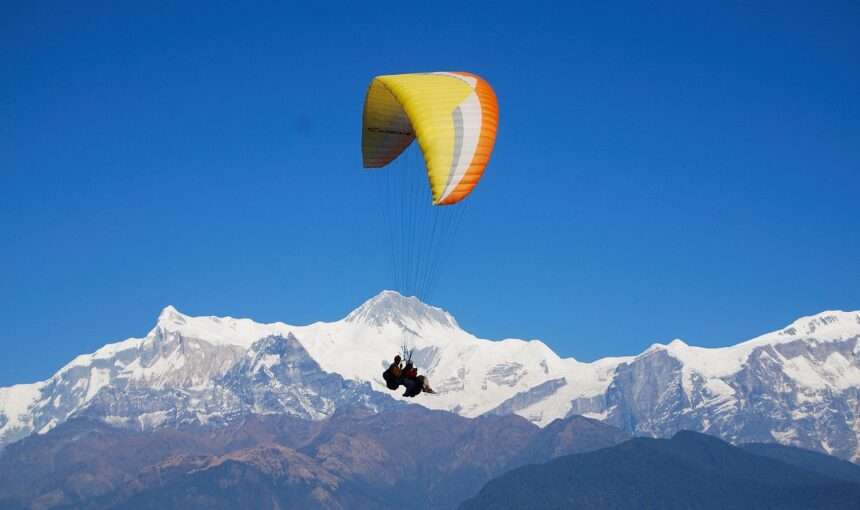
column 355, row 458
column 690, row 470
column 277, row 376
column 167, row 387
column 799, row 385
column 190, row 368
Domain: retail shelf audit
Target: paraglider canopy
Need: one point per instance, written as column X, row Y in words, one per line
column 453, row 115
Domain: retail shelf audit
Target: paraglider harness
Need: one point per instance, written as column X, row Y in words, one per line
column 393, row 382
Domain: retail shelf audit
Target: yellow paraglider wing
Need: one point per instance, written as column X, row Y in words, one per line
column 454, row 116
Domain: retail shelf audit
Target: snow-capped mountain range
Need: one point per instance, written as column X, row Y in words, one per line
column 799, row 385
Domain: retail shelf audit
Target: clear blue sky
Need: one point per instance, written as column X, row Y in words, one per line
column 661, row 170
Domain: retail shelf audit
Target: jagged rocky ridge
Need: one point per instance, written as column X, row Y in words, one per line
column 799, row 385
column 205, row 384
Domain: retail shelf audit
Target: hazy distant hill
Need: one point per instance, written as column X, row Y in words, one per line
column 354, row 459
column 689, row 471
column 820, row 463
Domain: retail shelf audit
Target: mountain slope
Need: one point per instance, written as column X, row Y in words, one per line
column 183, row 355
column 354, row 458
column 171, row 380
column 799, row 385
column 689, row 471
column 825, row 465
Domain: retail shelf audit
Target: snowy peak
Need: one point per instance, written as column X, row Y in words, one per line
column 799, row 384
column 278, row 376
column 835, row 323
column 673, row 346
column 277, row 344
column 821, row 328
column 390, row 306
column 170, row 316
column 284, row 352
column 215, row 330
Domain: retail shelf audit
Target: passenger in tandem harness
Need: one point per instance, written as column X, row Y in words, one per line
column 397, row 374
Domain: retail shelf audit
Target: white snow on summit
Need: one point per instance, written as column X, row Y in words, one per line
column 825, row 327
column 16, row 402
column 809, row 362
